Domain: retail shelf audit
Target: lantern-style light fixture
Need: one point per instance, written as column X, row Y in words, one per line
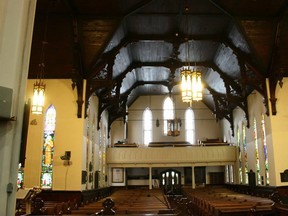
column 197, row 88
column 191, row 81
column 38, row 97
column 186, row 85
column 39, row 85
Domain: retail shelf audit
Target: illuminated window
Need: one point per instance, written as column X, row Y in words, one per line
column 48, row 148
column 147, row 126
column 231, row 173
column 93, row 150
column 87, row 147
column 20, row 176
column 244, row 143
column 240, row 156
column 168, row 112
column 190, row 125
column 227, row 177
column 264, row 143
column 258, row 176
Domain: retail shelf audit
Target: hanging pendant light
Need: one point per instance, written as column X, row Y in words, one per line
column 186, row 84
column 39, row 85
column 38, row 97
column 197, row 86
column 191, row 81
column 39, row 88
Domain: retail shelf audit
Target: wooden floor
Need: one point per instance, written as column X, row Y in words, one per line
column 129, row 201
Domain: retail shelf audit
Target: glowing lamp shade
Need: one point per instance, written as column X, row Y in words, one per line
column 186, row 85
column 197, row 88
column 38, row 97
column 191, row 85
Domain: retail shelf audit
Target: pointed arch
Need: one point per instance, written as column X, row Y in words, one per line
column 264, row 144
column 168, row 113
column 257, row 160
column 48, row 148
column 240, row 156
column 245, row 153
column 190, row 125
column 147, row 126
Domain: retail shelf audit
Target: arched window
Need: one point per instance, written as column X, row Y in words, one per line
column 147, row 126
column 264, row 143
column 48, row 148
column 190, row 125
column 168, row 112
column 244, row 143
column 258, row 176
column 240, row 156
column 20, row 179
column 231, row 173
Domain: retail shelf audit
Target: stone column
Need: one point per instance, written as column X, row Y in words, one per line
column 16, row 28
column 193, row 177
column 150, row 178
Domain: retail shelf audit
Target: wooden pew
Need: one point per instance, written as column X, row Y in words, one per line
column 127, row 201
column 221, row 201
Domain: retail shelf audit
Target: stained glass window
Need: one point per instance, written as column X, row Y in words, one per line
column 20, row 177
column 244, row 143
column 190, row 125
column 168, row 112
column 147, row 126
column 240, row 156
column 258, row 176
column 93, row 150
column 48, row 148
column 264, row 143
column 87, row 147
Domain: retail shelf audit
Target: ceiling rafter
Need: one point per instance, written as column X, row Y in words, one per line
column 78, row 66
column 91, row 52
column 276, row 75
column 97, row 66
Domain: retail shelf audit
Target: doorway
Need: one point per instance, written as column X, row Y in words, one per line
column 170, row 181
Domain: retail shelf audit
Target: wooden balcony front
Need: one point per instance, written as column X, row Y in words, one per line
column 171, row 157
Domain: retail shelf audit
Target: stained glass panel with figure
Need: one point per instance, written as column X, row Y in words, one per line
column 48, row 148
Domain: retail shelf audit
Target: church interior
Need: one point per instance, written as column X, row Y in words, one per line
column 144, row 107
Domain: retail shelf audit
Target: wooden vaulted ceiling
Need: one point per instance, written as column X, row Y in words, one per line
column 128, row 48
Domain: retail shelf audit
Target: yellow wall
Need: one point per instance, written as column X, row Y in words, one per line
column 276, row 132
column 279, row 131
column 68, row 137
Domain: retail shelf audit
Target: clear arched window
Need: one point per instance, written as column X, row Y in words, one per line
column 190, row 125
column 168, row 113
column 147, row 126
column 48, row 148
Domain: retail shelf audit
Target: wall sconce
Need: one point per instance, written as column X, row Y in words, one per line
column 157, row 122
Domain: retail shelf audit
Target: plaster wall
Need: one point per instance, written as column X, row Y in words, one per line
column 278, row 135
column 206, row 125
column 68, row 137
column 275, row 129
